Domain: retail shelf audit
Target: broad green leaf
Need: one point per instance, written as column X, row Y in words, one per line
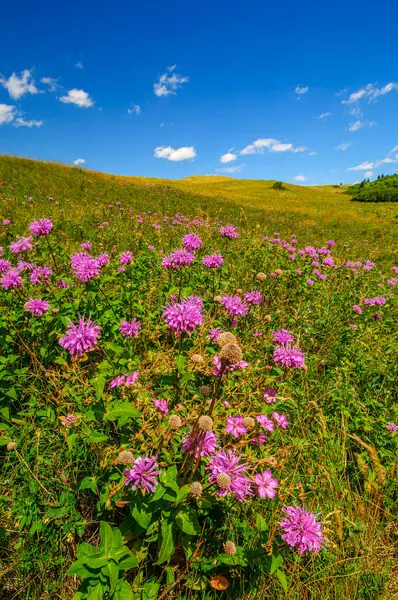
column 85, row 549
column 276, row 561
column 88, row 483
column 99, row 385
column 124, row 591
column 167, row 547
column 95, row 593
column 107, row 539
column 282, row 580
column 261, row 523
column 112, row 571
column 159, row 493
column 128, row 563
column 187, row 520
column 182, row 493
column 141, row 512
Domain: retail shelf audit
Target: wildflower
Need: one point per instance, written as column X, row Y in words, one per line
column 230, row 354
column 281, row 420
column 125, row 458
column 310, row 282
column 21, row 245
column 178, row 259
column 261, row 276
column 270, row 395
column 185, row 316
column 80, row 338
column 226, row 462
column 143, row 474
column 260, row 440
column 41, row 227
column 392, row 282
column 11, row 280
column 130, row 328
column 5, row 265
column 254, row 297
column 229, row 231
column 289, row 356
column 175, row 422
column 282, row 336
column 36, row 307
column 40, row 275
column 195, row 489
column 61, row 283
column 192, row 242
column 266, row 484
column 214, row 334
column 213, row 261
column 69, row 420
column 356, row 308
column 162, row 405
column 6, row 222
column 265, row 422
column 103, row 259
column 205, row 390
column 377, row 301
column 205, row 423
column 86, row 245
column 377, row 316
column 220, row 367
column 330, row 243
column 299, row 272
column 329, row 262
column 392, row 427
column 234, row 305
column 85, row 267
column 229, row 548
column 249, row 422
column 199, row 444
column 302, row 530
column 126, row 258
column 196, row 358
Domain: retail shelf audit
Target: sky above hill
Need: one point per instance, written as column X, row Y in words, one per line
column 304, row 92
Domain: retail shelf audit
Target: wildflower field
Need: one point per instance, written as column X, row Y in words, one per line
column 198, row 389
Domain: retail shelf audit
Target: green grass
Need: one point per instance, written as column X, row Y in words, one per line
column 336, row 457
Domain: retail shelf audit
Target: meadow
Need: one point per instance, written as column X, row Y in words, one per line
column 198, row 389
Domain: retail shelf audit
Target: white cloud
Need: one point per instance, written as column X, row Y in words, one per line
column 343, row 146
column 19, row 86
column 371, row 92
column 368, row 174
column 175, row 155
column 228, row 157
column 311, row 153
column 51, row 83
column 281, row 147
column 359, row 124
column 258, row 146
column 355, row 111
column 302, row 90
column 300, row 178
column 79, row 65
column 365, row 166
column 20, row 122
column 79, row 162
column 7, row 113
column 231, row 169
column 78, row 97
column 168, row 83
column 324, row 115
column 135, row 109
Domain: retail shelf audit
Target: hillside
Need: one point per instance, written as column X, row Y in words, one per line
column 382, row 189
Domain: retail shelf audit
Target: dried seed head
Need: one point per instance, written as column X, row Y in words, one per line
column 11, row 445
column 268, row 318
column 205, row 423
column 261, row 276
column 239, row 291
column 223, row 481
column 125, row 458
column 197, row 358
column 230, row 354
column 175, row 422
column 249, row 422
column 226, row 338
column 205, row 390
column 196, row 489
column 278, row 271
column 229, row 548
column 217, row 299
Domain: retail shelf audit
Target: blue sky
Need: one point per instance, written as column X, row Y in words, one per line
column 171, row 89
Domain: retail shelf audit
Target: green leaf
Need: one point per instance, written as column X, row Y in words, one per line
column 170, row 577
column 282, row 580
column 122, row 412
column 141, row 512
column 159, row 493
column 182, row 493
column 180, row 362
column 99, row 385
column 107, row 539
column 111, row 571
column 124, row 591
column 167, row 547
column 128, row 563
column 85, row 549
column 88, row 483
column 187, row 521
column 95, row 593
column 276, row 561
column 261, row 523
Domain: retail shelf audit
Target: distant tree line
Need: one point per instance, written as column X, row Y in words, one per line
column 383, row 189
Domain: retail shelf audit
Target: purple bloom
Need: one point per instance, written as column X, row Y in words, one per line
column 377, row 301
column 130, row 328
column 357, row 309
column 132, row 379
column 281, row 420
column 234, row 305
column 40, row 227
column 227, row 463
column 6, row 222
column 229, row 231
column 214, row 333
column 40, row 275
column 86, row 245
column 377, row 316
column 162, row 405
column 270, row 395
column 11, row 280
column 235, row 427
column 302, row 530
column 310, row 282
column 103, row 260
column 143, row 474
column 126, row 258
column 36, row 307
column 21, row 245
column 178, row 259
column 5, row 265
column 85, row 266
column 260, row 440
column 289, row 356
column 254, row 297
column 282, row 336
column 329, row 262
column 392, row 282
column 392, row 427
column 80, row 338
column 61, row 283
column 266, row 484
column 331, row 243
column 368, row 266
column 185, row 316
column 265, row 422
column 117, row 382
column 213, row 261
column 218, row 366
column 192, row 242
column 200, row 444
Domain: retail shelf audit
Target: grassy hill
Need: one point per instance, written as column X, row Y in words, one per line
column 122, row 412
column 382, row 189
